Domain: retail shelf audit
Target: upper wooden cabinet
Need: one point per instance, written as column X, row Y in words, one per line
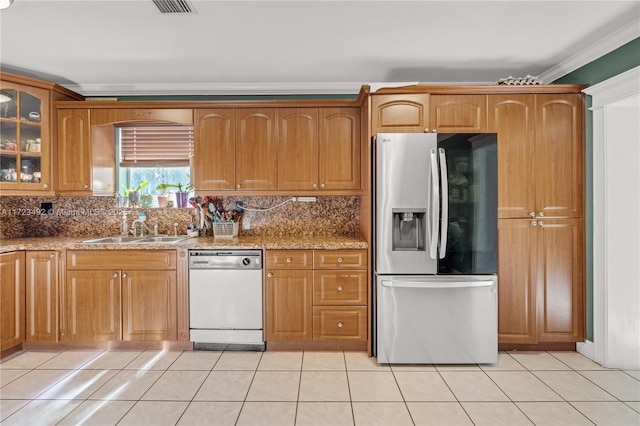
column 26, row 148
column 540, row 154
column 214, row 149
column 339, row 149
column 298, row 148
column 458, row 113
column 256, row 149
column 74, row 152
column 402, row 113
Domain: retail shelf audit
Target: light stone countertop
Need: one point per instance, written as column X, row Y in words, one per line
column 243, row 242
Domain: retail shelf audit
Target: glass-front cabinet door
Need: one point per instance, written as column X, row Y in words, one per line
column 24, row 139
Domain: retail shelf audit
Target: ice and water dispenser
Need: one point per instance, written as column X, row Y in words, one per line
column 409, row 229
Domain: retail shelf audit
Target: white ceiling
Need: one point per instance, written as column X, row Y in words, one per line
column 102, row 48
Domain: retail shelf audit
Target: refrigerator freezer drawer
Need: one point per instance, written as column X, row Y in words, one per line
column 437, row 320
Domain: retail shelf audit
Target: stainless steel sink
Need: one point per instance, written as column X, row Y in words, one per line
column 113, row 240
column 161, row 239
column 136, row 240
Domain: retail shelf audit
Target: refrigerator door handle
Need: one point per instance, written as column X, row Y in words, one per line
column 435, row 205
column 437, row 284
column 445, row 203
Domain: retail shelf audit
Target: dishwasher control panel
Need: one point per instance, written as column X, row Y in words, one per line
column 225, row 259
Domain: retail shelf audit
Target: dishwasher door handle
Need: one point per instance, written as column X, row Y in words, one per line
column 437, row 284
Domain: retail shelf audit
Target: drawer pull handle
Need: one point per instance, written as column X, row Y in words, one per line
column 289, row 260
column 340, row 288
column 340, row 260
column 269, row 275
column 340, row 324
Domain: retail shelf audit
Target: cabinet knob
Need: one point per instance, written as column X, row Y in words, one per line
column 51, row 256
column 269, row 275
column 45, row 186
column 323, row 185
column 340, row 324
column 238, row 186
column 541, row 214
column 435, row 130
column 85, row 186
column 340, row 288
column 534, row 223
column 124, row 275
column 115, row 275
column 315, row 186
column 541, row 223
column 340, row 260
column 532, row 214
column 289, row 260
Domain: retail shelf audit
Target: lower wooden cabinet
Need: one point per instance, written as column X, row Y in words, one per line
column 540, row 281
column 116, row 294
column 42, row 288
column 323, row 301
column 12, row 300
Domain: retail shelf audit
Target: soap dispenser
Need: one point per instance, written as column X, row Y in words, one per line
column 124, row 227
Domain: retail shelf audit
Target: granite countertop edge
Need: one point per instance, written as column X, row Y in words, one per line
column 249, row 242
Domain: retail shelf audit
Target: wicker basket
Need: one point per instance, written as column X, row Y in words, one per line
column 225, row 230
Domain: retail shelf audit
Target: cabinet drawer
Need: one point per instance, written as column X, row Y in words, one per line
column 340, row 288
column 121, row 259
column 340, row 323
column 340, row 259
column 289, row 259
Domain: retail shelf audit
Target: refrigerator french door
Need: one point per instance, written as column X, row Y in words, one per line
column 436, row 248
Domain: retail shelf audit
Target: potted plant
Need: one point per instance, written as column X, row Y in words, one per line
column 163, row 198
column 134, row 193
column 182, row 194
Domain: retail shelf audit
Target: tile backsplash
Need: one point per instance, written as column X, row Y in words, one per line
column 101, row 216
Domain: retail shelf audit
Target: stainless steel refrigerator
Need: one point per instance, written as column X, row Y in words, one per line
column 436, row 243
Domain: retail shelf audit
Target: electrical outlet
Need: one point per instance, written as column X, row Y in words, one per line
column 306, row 199
column 246, row 223
column 239, row 206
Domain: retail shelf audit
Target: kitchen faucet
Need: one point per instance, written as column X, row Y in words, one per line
column 153, row 231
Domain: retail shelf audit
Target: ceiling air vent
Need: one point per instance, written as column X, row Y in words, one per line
column 174, row 6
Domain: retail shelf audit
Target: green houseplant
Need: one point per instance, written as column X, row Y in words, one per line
column 134, row 192
column 181, row 194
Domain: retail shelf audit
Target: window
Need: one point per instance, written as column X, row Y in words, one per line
column 159, row 153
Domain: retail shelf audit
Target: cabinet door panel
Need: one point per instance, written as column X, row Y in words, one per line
column 149, row 305
column 561, row 282
column 12, row 299
column 406, row 113
column 42, row 296
column 513, row 118
column 559, row 155
column 93, row 305
column 214, row 149
column 516, row 285
column 288, row 305
column 298, row 148
column 458, row 113
column 256, row 148
column 339, row 148
column 74, row 151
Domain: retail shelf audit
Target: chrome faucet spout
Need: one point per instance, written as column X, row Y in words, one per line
column 143, row 225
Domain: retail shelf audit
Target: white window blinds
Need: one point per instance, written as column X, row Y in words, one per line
column 156, row 145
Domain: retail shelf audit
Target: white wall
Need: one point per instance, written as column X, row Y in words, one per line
column 616, row 138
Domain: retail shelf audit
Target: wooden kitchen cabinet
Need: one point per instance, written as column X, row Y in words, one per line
column 121, row 294
column 400, row 113
column 540, row 153
column 27, row 128
column 297, row 148
column 74, row 152
column 256, row 149
column 12, row 300
column 214, row 149
column 42, row 288
column 339, row 149
column 316, row 296
column 540, row 292
column 458, row 113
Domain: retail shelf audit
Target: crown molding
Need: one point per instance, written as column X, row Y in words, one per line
column 597, row 50
column 235, row 89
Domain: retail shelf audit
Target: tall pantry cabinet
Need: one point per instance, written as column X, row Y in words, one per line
column 540, row 193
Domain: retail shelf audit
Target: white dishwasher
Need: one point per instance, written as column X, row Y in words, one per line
column 225, row 299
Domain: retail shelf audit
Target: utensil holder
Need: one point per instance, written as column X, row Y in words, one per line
column 225, row 230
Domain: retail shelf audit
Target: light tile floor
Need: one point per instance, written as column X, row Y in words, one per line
column 309, row 388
